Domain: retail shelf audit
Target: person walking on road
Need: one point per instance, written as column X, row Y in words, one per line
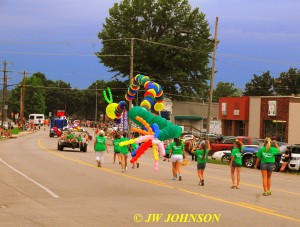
column 177, row 152
column 117, row 148
column 201, row 153
column 266, row 155
column 236, row 163
column 124, row 152
column 100, row 147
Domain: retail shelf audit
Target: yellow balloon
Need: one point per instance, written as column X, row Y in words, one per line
column 110, row 110
column 159, row 106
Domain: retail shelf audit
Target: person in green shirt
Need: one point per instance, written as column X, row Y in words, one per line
column 236, row 163
column 177, row 151
column 202, row 154
column 117, row 147
column 99, row 147
column 70, row 137
column 167, row 149
column 124, row 152
column 133, row 147
column 266, row 155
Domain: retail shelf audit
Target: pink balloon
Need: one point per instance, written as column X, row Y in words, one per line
column 144, row 138
column 156, row 169
column 161, row 149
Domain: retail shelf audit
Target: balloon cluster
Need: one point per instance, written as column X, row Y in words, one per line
column 57, row 131
column 153, row 96
column 150, row 138
column 167, row 130
column 113, row 110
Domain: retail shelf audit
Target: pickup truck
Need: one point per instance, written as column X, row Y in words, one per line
column 227, row 141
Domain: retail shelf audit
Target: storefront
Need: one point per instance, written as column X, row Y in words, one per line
column 276, row 117
column 234, row 113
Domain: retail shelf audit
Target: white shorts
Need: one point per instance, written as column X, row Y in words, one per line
column 100, row 156
column 176, row 158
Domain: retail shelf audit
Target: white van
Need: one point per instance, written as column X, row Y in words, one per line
column 37, row 119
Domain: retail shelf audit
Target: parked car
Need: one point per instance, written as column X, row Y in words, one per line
column 223, row 156
column 294, row 164
column 247, row 158
column 227, row 141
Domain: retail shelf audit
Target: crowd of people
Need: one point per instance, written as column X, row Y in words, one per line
column 199, row 150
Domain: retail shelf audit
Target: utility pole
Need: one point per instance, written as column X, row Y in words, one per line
column 130, row 77
column 212, row 78
column 5, row 106
column 96, row 106
column 22, row 98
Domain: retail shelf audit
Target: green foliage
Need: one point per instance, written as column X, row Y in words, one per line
column 260, row 85
column 288, row 83
column 224, row 89
column 180, row 72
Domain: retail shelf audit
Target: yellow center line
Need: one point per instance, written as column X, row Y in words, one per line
column 264, row 210
column 240, row 204
column 222, row 179
column 259, row 207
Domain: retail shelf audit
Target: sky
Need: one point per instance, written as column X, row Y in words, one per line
column 59, row 38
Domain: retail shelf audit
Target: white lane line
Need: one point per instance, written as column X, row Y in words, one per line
column 30, row 179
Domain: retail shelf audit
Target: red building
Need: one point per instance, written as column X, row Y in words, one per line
column 234, row 113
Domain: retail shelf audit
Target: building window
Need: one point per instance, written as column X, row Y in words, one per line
column 275, row 129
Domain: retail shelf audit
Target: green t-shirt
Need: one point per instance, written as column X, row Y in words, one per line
column 79, row 138
column 267, row 156
column 100, row 144
column 237, row 155
column 199, row 155
column 134, row 146
column 116, row 143
column 176, row 149
column 168, row 148
column 124, row 149
column 70, row 136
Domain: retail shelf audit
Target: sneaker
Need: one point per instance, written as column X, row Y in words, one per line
column 164, row 159
column 122, row 170
column 133, row 167
column 202, row 183
column 265, row 193
column 180, row 178
column 99, row 164
column 269, row 193
column 174, row 178
column 137, row 165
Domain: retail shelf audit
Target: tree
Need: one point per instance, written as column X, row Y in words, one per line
column 224, row 89
column 288, row 83
column 182, row 72
column 260, row 85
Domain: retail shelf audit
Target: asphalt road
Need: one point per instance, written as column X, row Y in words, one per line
column 40, row 186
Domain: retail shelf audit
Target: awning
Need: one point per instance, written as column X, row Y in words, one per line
column 189, row 117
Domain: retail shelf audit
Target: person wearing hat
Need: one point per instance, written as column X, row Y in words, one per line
column 100, row 147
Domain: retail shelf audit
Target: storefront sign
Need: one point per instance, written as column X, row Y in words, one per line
column 272, row 111
column 224, row 108
column 236, row 112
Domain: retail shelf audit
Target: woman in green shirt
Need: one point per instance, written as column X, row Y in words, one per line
column 117, row 147
column 124, row 152
column 177, row 152
column 201, row 153
column 236, row 163
column 99, row 148
column 266, row 155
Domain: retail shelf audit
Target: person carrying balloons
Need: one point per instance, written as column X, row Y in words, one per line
column 100, row 147
column 117, row 148
column 177, row 152
column 133, row 148
column 202, row 154
column 124, row 152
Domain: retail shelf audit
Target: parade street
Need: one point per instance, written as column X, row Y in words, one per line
column 41, row 186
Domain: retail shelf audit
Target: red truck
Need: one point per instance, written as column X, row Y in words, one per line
column 227, row 141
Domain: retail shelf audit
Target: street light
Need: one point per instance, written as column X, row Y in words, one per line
column 185, row 33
